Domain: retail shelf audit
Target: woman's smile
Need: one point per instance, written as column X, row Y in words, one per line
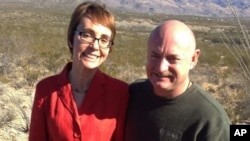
column 90, row 56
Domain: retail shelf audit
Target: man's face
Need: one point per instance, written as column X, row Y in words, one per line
column 168, row 63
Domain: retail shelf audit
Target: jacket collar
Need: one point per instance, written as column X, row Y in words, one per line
column 97, row 86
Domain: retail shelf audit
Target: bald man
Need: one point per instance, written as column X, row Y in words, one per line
column 168, row 106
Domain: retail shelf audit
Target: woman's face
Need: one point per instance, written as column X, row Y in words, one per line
column 86, row 54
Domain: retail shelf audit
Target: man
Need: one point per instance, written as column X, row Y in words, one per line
column 168, row 106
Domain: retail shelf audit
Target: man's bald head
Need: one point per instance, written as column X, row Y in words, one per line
column 174, row 31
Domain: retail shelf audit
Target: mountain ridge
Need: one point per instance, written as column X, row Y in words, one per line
column 171, row 7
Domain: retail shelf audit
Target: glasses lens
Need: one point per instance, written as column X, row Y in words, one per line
column 104, row 43
column 88, row 38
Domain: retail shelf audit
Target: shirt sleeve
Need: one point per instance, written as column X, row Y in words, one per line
column 222, row 133
column 38, row 131
column 120, row 127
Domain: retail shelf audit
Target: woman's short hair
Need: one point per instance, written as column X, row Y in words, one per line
column 96, row 12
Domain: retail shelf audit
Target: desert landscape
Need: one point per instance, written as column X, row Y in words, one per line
column 33, row 46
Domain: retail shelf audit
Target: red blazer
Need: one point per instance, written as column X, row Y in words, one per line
column 101, row 117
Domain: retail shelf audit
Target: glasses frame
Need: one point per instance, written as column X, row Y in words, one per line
column 94, row 39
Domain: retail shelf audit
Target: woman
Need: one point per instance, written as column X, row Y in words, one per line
column 81, row 102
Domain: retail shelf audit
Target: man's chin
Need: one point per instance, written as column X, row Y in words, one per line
column 161, row 86
column 161, row 83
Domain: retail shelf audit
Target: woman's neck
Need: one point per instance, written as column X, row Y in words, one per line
column 80, row 78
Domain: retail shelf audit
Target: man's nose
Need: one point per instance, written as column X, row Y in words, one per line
column 162, row 65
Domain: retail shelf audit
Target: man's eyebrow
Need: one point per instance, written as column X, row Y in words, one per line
column 155, row 52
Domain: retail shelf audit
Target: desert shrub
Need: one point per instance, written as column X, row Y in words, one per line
column 6, row 117
column 237, row 43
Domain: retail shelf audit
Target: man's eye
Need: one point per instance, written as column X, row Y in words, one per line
column 154, row 56
column 173, row 60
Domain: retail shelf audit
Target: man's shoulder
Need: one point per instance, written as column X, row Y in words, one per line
column 140, row 85
column 207, row 105
column 139, row 82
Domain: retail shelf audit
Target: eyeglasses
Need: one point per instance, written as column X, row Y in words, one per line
column 86, row 37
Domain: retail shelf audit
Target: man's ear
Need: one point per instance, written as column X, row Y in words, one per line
column 195, row 59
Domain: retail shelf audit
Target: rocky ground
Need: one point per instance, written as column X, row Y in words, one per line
column 15, row 107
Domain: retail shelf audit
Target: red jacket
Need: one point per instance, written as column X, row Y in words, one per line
column 55, row 116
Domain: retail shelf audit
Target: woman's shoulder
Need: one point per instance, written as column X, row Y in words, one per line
column 49, row 83
column 57, row 79
column 47, row 80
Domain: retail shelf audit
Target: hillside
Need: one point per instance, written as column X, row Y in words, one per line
column 174, row 7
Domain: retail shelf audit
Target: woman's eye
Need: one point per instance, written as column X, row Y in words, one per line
column 104, row 40
column 86, row 35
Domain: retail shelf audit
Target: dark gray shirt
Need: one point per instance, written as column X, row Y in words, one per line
column 192, row 116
